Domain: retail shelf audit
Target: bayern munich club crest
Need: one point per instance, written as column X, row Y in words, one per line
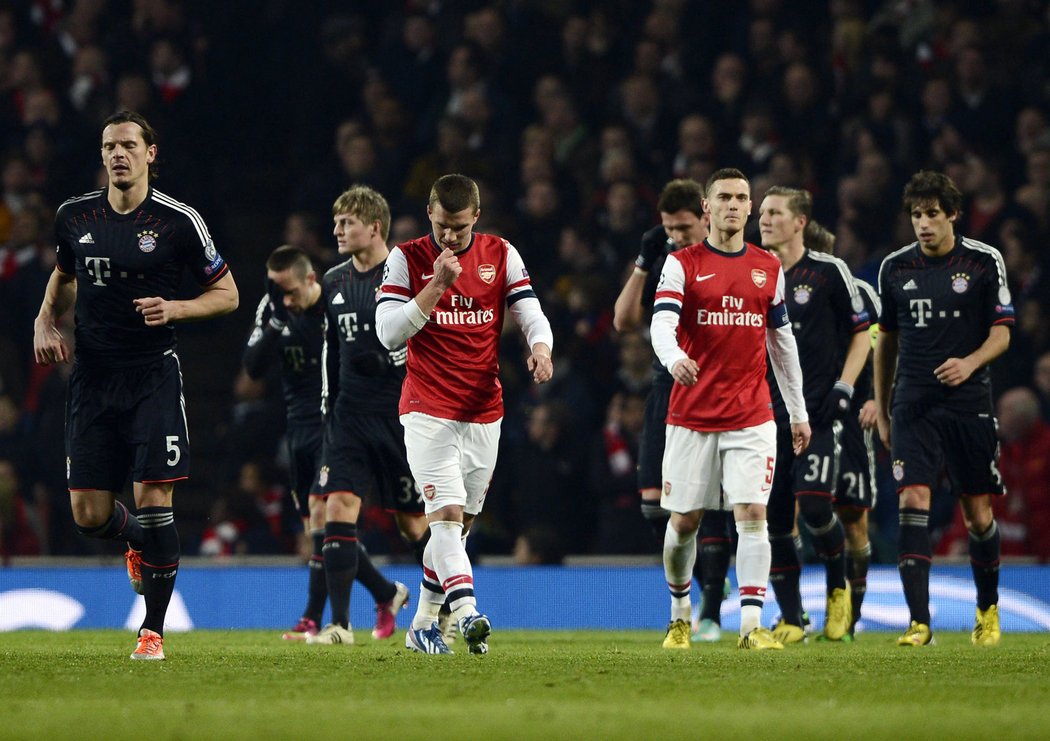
column 802, row 294
column 960, row 282
column 487, row 272
column 148, row 241
column 898, row 470
column 759, row 277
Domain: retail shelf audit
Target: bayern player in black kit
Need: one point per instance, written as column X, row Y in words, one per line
column 683, row 223
column 830, row 325
column 290, row 329
column 363, row 441
column 946, row 314
column 855, row 492
column 122, row 251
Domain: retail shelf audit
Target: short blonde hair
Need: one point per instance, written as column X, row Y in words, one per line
column 366, row 204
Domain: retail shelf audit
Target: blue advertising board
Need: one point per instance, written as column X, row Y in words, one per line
column 539, row 597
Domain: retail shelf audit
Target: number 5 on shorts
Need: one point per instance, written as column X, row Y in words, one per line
column 173, row 450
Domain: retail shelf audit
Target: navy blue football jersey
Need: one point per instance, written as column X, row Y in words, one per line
column 943, row 307
column 118, row 258
column 361, row 376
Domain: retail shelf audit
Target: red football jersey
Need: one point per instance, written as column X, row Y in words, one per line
column 725, row 303
column 453, row 362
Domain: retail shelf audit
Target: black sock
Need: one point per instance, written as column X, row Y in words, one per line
column 829, row 537
column 914, row 555
column 984, row 561
column 340, row 567
column 160, row 563
column 381, row 588
column 857, row 571
column 318, row 586
column 121, row 525
column 657, row 518
column 784, row 572
column 418, row 546
column 716, row 547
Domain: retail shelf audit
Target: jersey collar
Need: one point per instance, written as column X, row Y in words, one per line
column 437, row 246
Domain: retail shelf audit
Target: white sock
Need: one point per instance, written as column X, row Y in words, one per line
column 452, row 567
column 753, row 557
column 431, row 595
column 679, row 557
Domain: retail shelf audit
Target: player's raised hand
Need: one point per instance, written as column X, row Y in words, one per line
column 48, row 345
column 156, row 311
column 447, row 268
column 685, row 371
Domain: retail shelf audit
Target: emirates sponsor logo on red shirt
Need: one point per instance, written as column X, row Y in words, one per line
column 487, row 272
column 759, row 277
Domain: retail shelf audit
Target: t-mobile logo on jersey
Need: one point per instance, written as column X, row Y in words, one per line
column 348, row 325
column 99, row 268
column 295, row 358
column 921, row 309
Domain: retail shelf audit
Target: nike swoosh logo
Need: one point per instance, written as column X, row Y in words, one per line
column 700, row 278
column 424, row 276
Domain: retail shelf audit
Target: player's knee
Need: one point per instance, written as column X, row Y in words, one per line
column 90, row 515
column 915, row 497
column 685, row 523
column 342, row 506
column 977, row 516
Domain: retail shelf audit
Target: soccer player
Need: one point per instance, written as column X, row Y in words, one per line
column 121, row 254
column 290, row 328
column 856, row 493
column 946, row 314
column 446, row 294
column 830, row 326
column 363, row 441
column 683, row 223
column 719, row 308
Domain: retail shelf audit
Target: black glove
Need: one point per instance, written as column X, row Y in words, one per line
column 278, row 312
column 654, row 245
column 836, row 404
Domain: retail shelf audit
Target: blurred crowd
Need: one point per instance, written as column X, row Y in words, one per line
column 571, row 116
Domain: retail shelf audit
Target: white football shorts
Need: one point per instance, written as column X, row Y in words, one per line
column 452, row 462
column 699, row 468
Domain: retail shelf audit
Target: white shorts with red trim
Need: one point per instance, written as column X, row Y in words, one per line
column 716, row 470
column 452, row 462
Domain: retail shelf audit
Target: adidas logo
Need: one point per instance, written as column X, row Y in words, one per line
column 87, row 239
column 338, row 299
column 911, row 286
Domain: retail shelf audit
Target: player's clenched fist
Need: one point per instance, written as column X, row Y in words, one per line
column 447, row 268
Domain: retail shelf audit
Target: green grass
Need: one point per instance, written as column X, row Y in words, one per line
column 551, row 685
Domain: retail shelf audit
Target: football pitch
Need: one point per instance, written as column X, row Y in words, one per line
column 533, row 684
